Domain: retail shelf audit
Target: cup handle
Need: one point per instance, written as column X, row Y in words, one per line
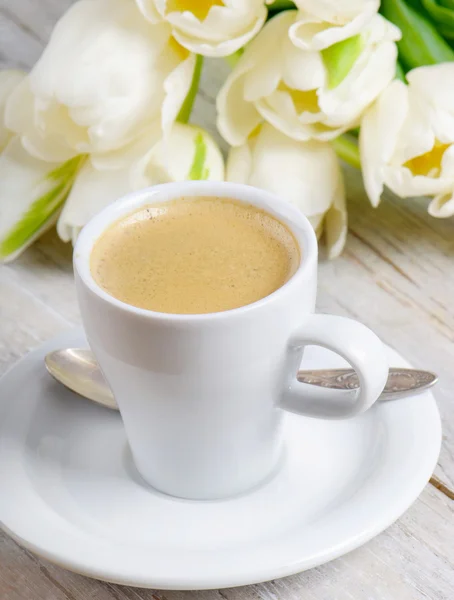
column 359, row 346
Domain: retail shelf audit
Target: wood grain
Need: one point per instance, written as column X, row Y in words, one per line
column 396, row 276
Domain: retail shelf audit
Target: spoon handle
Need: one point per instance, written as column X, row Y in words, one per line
column 400, row 381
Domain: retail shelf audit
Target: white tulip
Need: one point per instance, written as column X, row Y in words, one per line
column 407, row 139
column 322, row 23
column 188, row 152
column 32, row 193
column 208, row 27
column 105, row 74
column 306, row 94
column 9, row 80
column 306, row 174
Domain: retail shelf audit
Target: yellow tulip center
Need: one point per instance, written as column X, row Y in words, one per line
column 303, row 101
column 256, row 131
column 429, row 163
column 199, row 8
column 181, row 52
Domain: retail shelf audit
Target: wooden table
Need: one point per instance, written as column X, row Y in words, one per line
column 396, row 275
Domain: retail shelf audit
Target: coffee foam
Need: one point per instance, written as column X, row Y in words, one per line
column 194, row 256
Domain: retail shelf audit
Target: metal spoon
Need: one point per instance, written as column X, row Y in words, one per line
column 77, row 369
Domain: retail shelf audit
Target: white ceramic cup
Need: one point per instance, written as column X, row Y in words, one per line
column 202, row 397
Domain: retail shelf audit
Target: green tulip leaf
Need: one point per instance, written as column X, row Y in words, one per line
column 440, row 14
column 421, row 44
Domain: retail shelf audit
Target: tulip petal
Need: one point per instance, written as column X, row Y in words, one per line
column 176, row 88
column 419, row 164
column 20, row 118
column 301, row 173
column 127, row 155
column 264, row 57
column 256, row 75
column 442, row 206
column 405, row 184
column 9, row 80
column 239, row 164
column 263, row 60
column 19, row 107
column 149, row 10
column 91, row 192
column 379, row 133
column 433, row 84
column 198, row 40
column 336, row 11
column 317, row 222
column 236, row 118
column 302, row 71
column 279, row 110
column 304, row 174
column 416, row 136
column 327, row 25
column 447, row 164
column 31, row 194
column 336, row 226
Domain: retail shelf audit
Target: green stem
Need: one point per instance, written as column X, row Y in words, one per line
column 347, row 149
column 186, row 108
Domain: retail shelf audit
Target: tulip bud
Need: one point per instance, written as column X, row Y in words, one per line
column 305, row 174
column 105, row 75
column 208, row 28
column 407, row 139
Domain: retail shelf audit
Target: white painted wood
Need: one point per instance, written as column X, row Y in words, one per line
column 396, row 275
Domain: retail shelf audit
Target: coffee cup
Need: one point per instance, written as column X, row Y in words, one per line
column 203, row 396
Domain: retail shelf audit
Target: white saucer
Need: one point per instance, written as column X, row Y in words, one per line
column 70, row 492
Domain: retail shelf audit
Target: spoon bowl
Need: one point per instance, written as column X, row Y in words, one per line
column 78, row 370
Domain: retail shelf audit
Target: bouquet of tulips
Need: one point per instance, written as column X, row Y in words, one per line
column 106, row 109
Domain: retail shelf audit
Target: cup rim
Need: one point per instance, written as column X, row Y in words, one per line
column 125, row 205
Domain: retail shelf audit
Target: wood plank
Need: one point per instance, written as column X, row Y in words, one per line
column 27, row 47
column 26, row 321
column 37, row 19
